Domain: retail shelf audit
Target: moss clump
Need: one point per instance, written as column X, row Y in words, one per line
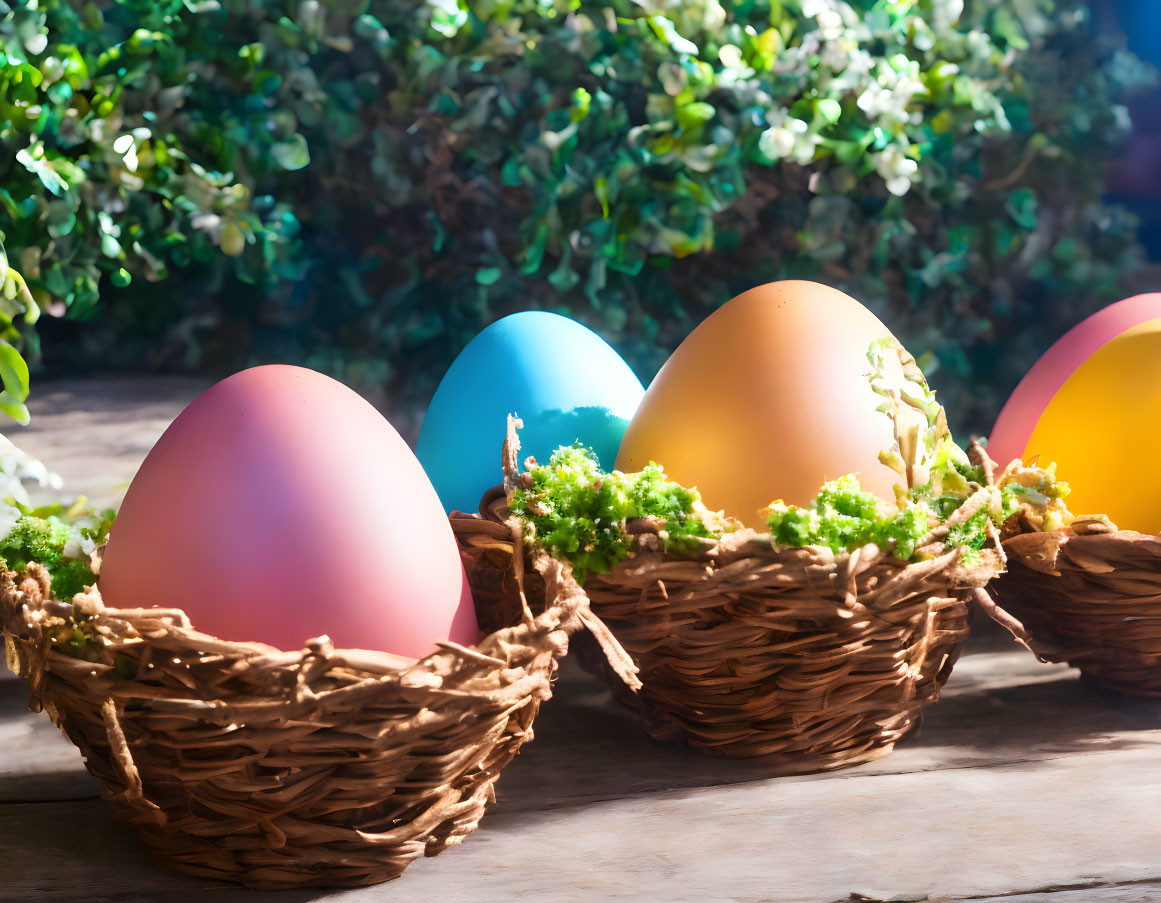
column 584, row 514
column 58, row 537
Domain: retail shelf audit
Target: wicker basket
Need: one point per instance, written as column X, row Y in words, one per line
column 809, row 659
column 1088, row 595
column 321, row 767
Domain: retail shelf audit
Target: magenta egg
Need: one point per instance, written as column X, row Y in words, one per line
column 281, row 506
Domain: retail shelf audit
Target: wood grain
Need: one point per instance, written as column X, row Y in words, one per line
column 95, row 433
column 955, row 833
column 1137, row 892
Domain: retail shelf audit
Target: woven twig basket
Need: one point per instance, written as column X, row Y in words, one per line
column 322, row 767
column 809, row 659
column 1088, row 595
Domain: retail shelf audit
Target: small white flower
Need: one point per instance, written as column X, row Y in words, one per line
column 834, row 56
column 776, row 116
column 1121, row 118
column 979, row 44
column 946, row 13
column 714, row 16
column 891, row 162
column 830, row 24
column 776, row 143
column 896, row 169
column 871, row 101
column 731, row 56
column 18, row 471
column 804, row 149
column 899, row 186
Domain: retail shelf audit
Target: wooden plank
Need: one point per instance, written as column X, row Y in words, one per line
column 36, row 761
column 1137, row 892
column 959, row 833
column 96, row 432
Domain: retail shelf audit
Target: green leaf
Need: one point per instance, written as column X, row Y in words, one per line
column 291, row 154
column 581, row 104
column 601, row 190
column 1021, row 207
column 487, row 275
column 694, row 114
column 44, row 170
column 14, row 409
column 13, row 372
column 92, row 17
column 510, row 173
column 829, row 110
column 667, row 31
column 231, row 240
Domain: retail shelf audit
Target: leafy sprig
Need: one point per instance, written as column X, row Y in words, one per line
column 938, row 478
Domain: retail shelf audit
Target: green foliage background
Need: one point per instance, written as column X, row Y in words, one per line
column 361, row 185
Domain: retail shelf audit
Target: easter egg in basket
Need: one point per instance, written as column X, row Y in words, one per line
column 767, row 399
column 280, row 506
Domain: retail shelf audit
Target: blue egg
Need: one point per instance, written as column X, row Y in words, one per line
column 563, row 380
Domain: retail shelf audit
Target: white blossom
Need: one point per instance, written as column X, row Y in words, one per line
column 18, row 470
column 979, row 44
column 836, row 55
column 890, row 94
column 788, row 138
column 945, row 13
column 896, row 169
column 899, row 186
column 714, row 16
column 834, row 18
column 776, row 143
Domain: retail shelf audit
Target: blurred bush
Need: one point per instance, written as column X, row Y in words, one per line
column 360, row 186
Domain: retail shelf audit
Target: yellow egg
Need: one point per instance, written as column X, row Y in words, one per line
column 1103, row 427
column 767, row 399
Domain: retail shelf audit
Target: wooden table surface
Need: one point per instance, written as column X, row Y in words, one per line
column 1023, row 785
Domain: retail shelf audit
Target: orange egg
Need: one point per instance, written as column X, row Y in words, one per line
column 280, row 506
column 767, row 399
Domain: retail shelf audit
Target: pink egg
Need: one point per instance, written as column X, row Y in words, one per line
column 280, row 506
column 1009, row 437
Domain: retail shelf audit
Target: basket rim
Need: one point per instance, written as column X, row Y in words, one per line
column 90, row 603
column 23, row 607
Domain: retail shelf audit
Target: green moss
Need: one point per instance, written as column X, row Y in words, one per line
column 842, row 517
column 56, row 537
column 581, row 513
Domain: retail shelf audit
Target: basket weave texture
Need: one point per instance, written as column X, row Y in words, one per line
column 321, row 767
column 809, row 659
column 1088, row 595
